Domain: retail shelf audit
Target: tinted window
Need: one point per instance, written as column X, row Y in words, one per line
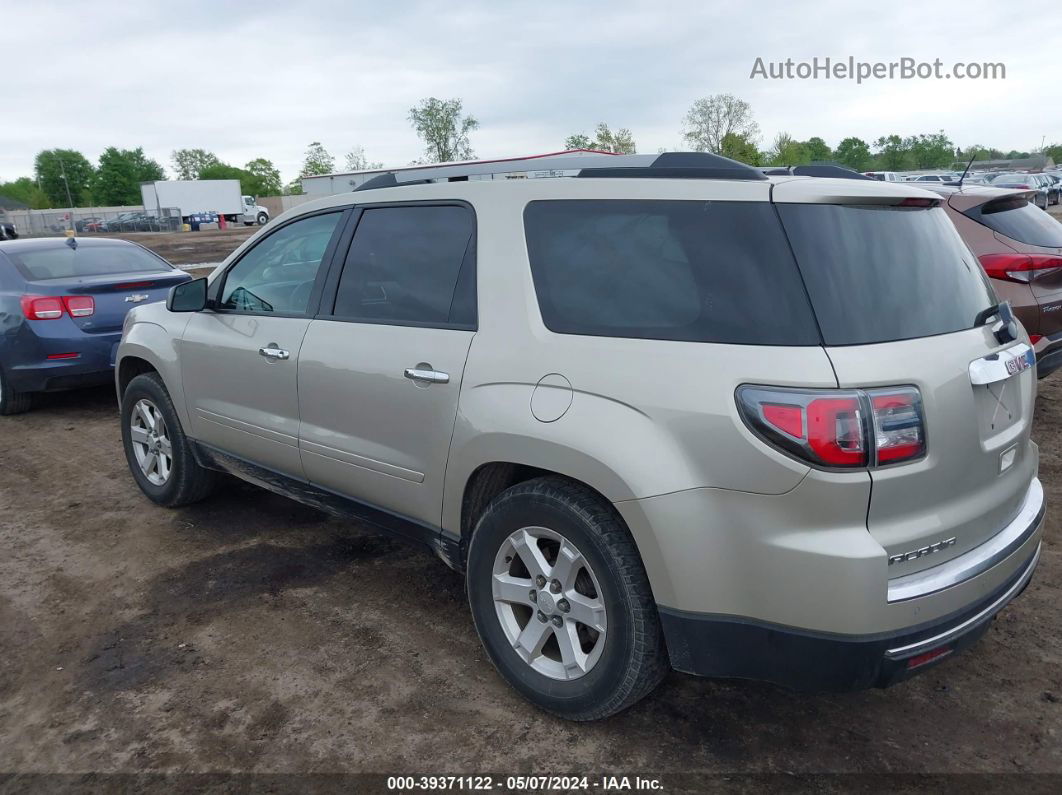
column 278, row 274
column 410, row 265
column 1015, row 218
column 670, row 270
column 63, row 262
column 879, row 273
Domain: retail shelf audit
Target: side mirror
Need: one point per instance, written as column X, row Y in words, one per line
column 188, row 296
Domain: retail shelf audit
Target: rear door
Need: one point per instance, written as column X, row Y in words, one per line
column 897, row 295
column 381, row 367
column 239, row 359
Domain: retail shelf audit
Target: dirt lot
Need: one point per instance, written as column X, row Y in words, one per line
column 249, row 633
column 186, row 248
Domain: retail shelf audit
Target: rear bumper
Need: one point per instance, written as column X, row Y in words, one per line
column 29, row 369
column 728, row 647
column 1049, row 358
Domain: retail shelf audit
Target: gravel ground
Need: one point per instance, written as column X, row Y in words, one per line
column 251, row 634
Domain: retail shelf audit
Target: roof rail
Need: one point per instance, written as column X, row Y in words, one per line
column 813, row 170
column 668, row 165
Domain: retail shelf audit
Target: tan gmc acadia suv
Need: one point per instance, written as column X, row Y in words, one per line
column 662, row 410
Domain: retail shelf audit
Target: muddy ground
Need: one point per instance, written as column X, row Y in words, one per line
column 249, row 633
column 184, row 248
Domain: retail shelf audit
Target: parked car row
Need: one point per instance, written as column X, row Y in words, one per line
column 771, row 426
column 131, row 221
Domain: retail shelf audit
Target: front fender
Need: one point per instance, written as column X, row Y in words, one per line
column 156, row 343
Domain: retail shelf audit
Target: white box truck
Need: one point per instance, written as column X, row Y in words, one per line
column 192, row 196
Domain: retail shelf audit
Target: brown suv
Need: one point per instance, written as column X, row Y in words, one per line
column 1020, row 247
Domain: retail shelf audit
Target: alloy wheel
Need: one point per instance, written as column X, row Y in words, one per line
column 549, row 603
column 151, row 442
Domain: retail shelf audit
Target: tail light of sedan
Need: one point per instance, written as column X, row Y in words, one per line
column 838, row 428
column 52, row 307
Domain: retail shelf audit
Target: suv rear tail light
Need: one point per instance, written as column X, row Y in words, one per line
column 51, row 307
column 836, row 427
column 1019, row 267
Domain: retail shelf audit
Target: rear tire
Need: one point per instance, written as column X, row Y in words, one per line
column 12, row 402
column 151, row 434
column 565, row 666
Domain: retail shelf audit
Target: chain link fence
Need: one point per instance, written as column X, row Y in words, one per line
column 92, row 221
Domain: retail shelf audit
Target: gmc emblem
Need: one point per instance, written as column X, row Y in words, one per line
column 915, row 554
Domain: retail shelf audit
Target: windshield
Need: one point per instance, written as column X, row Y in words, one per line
column 64, row 262
column 879, row 273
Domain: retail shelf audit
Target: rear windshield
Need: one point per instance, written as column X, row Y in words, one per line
column 668, row 270
column 1015, row 218
column 882, row 273
column 64, row 262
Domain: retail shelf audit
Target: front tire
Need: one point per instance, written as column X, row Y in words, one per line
column 11, row 401
column 561, row 600
column 159, row 454
column 263, row 219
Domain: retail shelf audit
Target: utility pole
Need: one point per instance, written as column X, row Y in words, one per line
column 66, row 182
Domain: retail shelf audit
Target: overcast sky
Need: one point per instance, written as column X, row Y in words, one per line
column 264, row 79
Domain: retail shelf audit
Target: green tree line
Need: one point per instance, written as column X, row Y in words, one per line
column 720, row 123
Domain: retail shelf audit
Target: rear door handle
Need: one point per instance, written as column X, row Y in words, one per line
column 426, row 376
column 274, row 353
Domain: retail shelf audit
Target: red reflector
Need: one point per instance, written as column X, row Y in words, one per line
column 63, row 355
column 41, row 307
column 1035, row 338
column 785, row 418
column 79, row 305
column 927, row 657
column 835, row 431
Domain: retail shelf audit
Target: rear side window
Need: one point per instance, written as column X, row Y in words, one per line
column 669, row 270
column 63, row 262
column 411, row 265
column 1015, row 218
column 882, row 273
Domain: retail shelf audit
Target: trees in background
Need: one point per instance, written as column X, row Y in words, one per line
column 356, row 160
column 317, row 161
column 713, row 118
column 120, row 172
column 187, row 163
column 25, row 190
column 854, row 153
column 738, row 146
column 444, row 129
column 258, row 178
column 65, row 176
column 620, row 142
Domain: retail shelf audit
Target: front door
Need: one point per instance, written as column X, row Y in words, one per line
column 239, row 359
column 380, row 369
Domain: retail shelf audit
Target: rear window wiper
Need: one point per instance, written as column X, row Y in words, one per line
column 1008, row 330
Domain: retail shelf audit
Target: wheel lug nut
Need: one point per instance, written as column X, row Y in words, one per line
column 564, row 606
column 555, row 586
column 540, row 581
column 542, row 617
column 533, row 596
column 558, row 621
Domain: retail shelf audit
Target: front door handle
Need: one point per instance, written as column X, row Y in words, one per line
column 274, row 353
column 426, row 375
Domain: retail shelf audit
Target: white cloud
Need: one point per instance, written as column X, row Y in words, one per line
column 266, row 79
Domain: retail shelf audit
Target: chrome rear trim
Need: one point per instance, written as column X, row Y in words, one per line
column 979, row 559
column 971, row 623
